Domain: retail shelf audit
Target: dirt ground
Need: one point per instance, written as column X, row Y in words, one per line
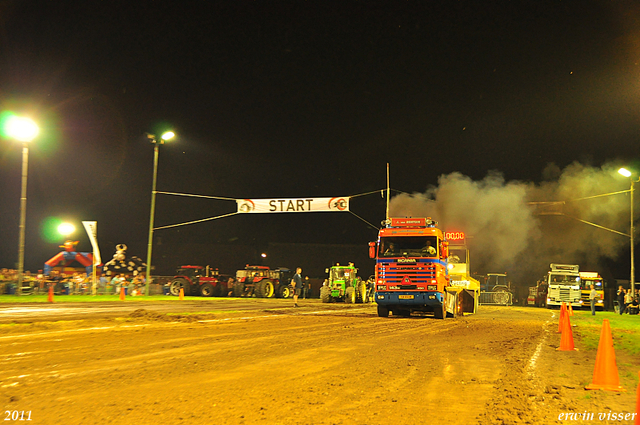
column 319, row 364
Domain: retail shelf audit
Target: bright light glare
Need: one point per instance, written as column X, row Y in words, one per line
column 624, row 172
column 66, row 229
column 168, row 135
column 22, row 129
column 263, row 255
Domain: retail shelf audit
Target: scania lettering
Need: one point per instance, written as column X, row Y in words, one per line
column 411, row 271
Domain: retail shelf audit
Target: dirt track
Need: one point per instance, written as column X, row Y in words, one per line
column 310, row 365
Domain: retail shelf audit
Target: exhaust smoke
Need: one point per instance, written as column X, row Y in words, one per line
column 506, row 232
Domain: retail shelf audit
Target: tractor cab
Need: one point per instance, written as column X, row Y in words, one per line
column 189, row 271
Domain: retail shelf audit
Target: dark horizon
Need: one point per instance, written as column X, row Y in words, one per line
column 301, row 100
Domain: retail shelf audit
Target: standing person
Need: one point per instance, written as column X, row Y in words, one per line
column 593, row 295
column 628, row 299
column 116, row 283
column 297, row 286
column 307, row 288
column 620, row 298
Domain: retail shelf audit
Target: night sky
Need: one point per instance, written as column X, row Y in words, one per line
column 298, row 99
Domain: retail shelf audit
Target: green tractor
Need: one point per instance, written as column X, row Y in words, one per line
column 344, row 284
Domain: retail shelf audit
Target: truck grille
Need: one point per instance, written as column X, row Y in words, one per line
column 565, row 294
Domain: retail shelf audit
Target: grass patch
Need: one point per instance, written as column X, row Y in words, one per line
column 625, row 330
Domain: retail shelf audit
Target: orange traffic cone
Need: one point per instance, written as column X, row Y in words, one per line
column 50, row 297
column 122, row 293
column 566, row 341
column 562, row 314
column 605, row 374
column 570, row 310
column 181, row 294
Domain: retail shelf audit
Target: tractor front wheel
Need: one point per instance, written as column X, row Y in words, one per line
column 363, row 295
column 350, row 295
column 206, row 290
column 383, row 311
column 325, row 294
column 285, row 291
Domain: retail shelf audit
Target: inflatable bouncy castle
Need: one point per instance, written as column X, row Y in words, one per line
column 68, row 256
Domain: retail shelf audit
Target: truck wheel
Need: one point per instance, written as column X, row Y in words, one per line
column 363, row 295
column 175, row 285
column 264, row 289
column 440, row 312
column 207, row 290
column 383, row 311
column 325, row 294
column 238, row 289
column 350, row 295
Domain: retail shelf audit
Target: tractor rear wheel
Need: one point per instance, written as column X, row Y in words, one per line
column 440, row 312
column 264, row 289
column 383, row 311
column 325, row 294
column 176, row 285
column 501, row 297
column 207, row 290
column 350, row 295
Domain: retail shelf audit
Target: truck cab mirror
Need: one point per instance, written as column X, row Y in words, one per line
column 445, row 249
column 372, row 250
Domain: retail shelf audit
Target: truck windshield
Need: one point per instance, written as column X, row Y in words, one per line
column 586, row 283
column 457, row 255
column 564, row 279
column 409, row 246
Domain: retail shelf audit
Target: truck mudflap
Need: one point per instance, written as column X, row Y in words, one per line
column 412, row 299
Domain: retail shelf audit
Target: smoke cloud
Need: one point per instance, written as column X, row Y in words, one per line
column 507, row 231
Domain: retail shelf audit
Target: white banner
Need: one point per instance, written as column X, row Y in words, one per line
column 92, row 230
column 336, row 204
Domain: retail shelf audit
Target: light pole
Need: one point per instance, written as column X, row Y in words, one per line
column 23, row 130
column 156, row 143
column 628, row 173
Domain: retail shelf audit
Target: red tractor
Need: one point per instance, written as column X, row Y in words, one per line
column 198, row 280
column 263, row 282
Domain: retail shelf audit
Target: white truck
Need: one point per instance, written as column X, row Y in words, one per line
column 564, row 285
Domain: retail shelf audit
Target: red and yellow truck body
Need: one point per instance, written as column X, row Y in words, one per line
column 411, row 273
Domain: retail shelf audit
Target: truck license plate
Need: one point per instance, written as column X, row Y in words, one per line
column 405, row 297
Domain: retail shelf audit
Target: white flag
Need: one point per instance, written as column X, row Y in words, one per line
column 92, row 230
